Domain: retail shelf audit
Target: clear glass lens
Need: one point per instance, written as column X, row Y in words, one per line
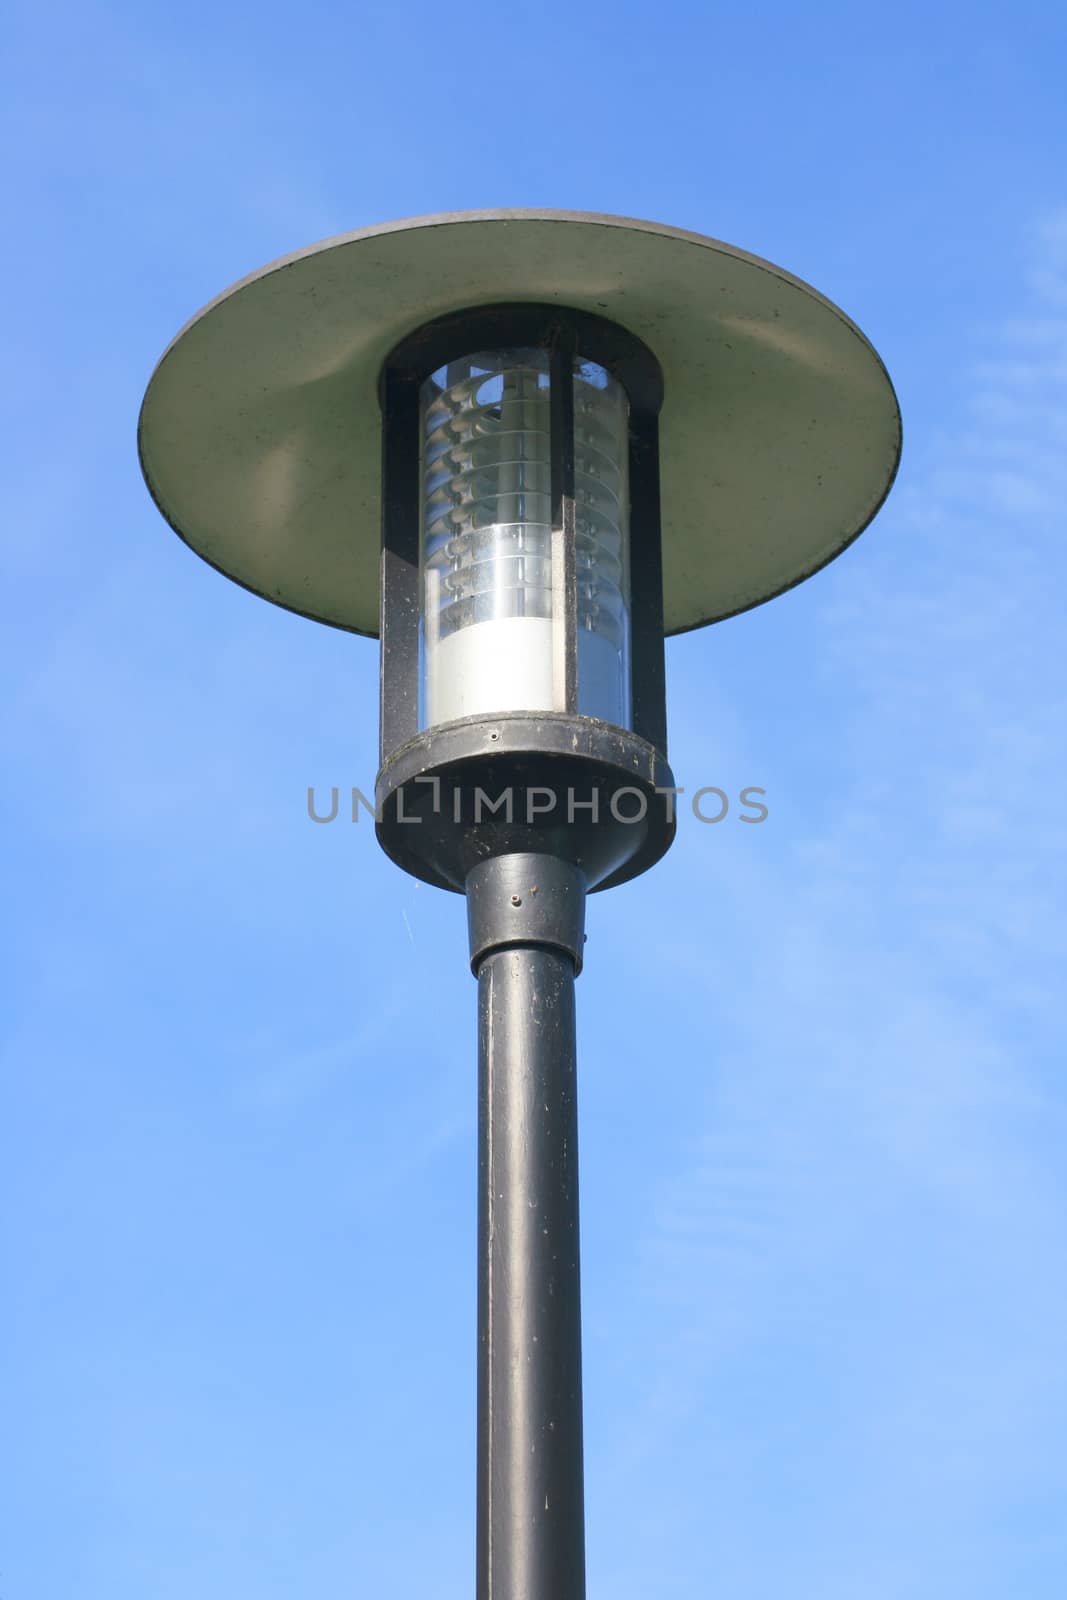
column 487, row 580
column 490, row 589
column 602, row 542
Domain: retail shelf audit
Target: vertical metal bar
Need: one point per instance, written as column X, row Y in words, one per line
column 531, row 1529
column 564, row 568
column 400, row 600
column 648, row 686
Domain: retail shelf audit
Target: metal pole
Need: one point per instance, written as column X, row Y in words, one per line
column 531, row 1522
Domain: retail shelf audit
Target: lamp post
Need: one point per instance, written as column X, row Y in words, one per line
column 451, row 433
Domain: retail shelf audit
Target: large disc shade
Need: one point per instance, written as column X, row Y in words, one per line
column 260, row 433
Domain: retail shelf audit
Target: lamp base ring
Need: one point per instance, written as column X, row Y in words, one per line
column 544, row 783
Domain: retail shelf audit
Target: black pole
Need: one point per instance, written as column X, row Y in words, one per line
column 526, row 916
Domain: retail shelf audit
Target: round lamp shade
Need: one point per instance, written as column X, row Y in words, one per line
column 260, row 433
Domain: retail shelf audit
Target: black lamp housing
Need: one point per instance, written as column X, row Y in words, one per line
column 553, row 783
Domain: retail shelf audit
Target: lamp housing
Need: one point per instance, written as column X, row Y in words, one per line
column 327, row 448
column 522, row 680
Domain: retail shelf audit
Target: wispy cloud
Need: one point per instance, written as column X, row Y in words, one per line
column 877, row 1193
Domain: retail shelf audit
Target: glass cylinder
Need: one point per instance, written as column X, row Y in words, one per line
column 493, row 582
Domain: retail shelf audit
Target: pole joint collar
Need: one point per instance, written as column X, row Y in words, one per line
column 525, row 899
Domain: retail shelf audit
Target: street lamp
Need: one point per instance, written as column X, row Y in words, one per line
column 451, row 433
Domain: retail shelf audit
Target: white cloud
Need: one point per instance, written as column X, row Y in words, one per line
column 879, row 1174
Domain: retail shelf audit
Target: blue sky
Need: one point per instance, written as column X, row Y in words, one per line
column 822, row 1111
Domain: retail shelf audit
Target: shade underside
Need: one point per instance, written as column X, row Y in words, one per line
column 260, row 434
